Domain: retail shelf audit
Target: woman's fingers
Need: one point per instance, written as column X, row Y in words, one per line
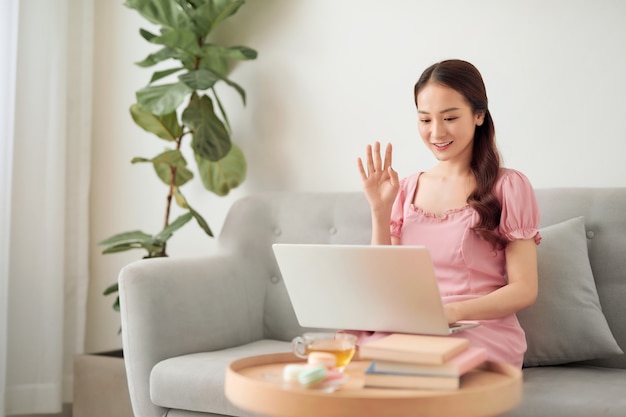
column 377, row 158
column 393, row 177
column 361, row 169
column 374, row 162
column 388, row 152
column 370, row 160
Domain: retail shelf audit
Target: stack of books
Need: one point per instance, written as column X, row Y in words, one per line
column 419, row 361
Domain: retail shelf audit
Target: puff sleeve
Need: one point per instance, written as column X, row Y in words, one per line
column 397, row 211
column 520, row 210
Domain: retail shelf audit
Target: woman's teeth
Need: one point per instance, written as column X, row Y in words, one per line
column 442, row 145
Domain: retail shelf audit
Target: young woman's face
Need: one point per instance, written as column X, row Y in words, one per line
column 446, row 122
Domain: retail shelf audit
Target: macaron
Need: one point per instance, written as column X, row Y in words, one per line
column 322, row 358
column 313, row 375
column 291, row 371
column 334, row 374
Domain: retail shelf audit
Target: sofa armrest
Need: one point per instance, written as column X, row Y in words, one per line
column 172, row 307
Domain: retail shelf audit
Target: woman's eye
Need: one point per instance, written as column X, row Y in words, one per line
column 449, row 119
column 425, row 120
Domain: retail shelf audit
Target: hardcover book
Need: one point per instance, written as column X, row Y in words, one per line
column 409, row 381
column 413, row 348
column 458, row 365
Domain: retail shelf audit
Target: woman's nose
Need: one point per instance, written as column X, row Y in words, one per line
column 438, row 130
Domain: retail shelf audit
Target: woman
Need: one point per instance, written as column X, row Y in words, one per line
column 478, row 219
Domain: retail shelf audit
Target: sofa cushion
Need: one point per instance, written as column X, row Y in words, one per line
column 566, row 323
column 572, row 391
column 195, row 382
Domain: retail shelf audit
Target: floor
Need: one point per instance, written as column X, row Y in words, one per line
column 67, row 412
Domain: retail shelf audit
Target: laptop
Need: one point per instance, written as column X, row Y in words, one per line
column 364, row 287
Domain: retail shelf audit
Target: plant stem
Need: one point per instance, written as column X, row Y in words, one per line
column 170, row 194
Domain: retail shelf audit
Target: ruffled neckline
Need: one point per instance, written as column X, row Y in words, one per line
column 429, row 214
column 443, row 215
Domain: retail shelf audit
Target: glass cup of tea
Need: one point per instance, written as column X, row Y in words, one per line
column 341, row 345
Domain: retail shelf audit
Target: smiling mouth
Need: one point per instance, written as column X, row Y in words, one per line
column 442, row 144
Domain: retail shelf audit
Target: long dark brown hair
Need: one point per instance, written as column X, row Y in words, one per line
column 485, row 165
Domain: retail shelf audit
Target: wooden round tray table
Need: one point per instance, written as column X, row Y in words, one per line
column 255, row 384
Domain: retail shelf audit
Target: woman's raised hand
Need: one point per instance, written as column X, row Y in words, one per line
column 380, row 181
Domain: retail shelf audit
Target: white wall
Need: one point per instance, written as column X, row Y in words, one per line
column 334, row 75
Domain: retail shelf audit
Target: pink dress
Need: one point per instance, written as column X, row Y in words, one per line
column 466, row 265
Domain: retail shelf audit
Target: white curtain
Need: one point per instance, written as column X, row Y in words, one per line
column 8, row 46
column 45, row 185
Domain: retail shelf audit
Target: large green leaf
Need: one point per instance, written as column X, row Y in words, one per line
column 199, row 79
column 123, row 247
column 117, row 307
column 182, row 202
column 163, row 164
column 195, row 3
column 166, row 126
column 215, row 11
column 124, row 237
column 240, row 52
column 161, row 55
column 214, row 58
column 162, row 74
column 162, row 12
column 166, row 233
column 181, row 39
column 222, row 176
column 146, row 34
column 210, row 138
column 162, row 99
column 202, row 25
column 201, row 222
column 147, row 242
column 207, row 14
column 135, row 239
column 111, row 289
column 180, row 198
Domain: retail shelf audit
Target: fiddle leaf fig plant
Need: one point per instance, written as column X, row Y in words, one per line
column 181, row 105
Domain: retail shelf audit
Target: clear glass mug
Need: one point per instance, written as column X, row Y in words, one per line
column 341, row 345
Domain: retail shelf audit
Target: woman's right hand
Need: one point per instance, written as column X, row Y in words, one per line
column 380, row 181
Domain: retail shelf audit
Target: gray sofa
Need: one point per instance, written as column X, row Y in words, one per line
column 185, row 319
